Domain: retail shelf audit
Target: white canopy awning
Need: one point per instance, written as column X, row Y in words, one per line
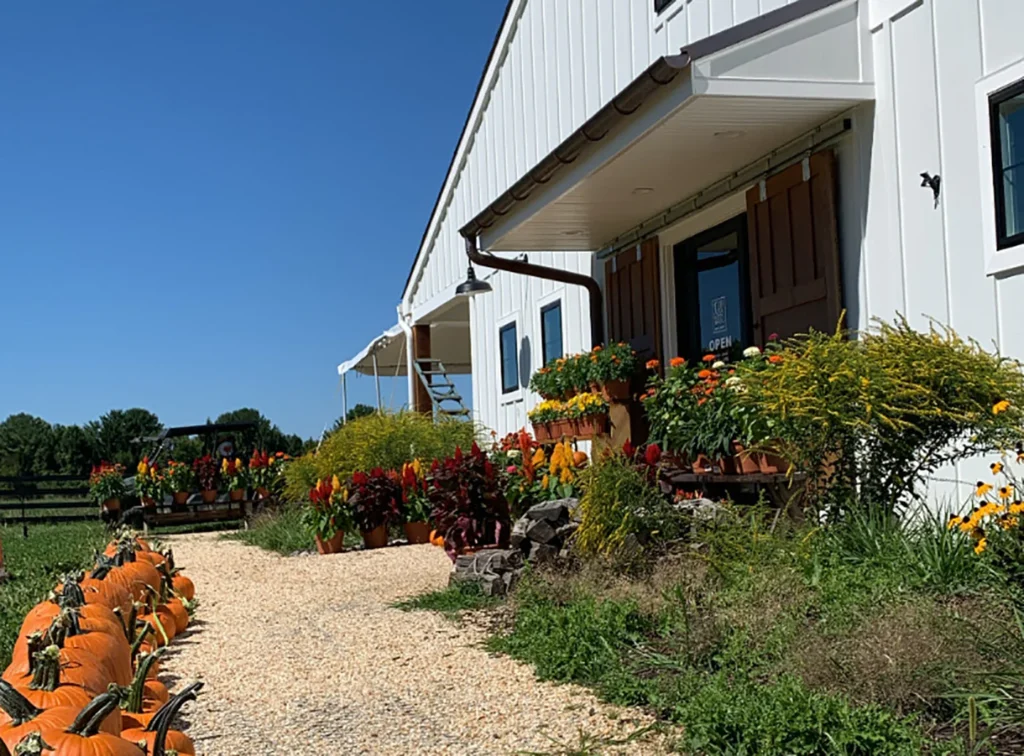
column 449, row 343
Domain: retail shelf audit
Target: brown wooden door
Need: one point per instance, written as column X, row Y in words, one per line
column 633, row 287
column 794, row 251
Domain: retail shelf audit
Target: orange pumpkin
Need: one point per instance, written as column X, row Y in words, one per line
column 104, row 640
column 181, row 619
column 84, row 737
column 158, row 729
column 183, row 587
column 145, row 697
column 77, row 667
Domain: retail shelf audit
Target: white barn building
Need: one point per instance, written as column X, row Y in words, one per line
column 723, row 169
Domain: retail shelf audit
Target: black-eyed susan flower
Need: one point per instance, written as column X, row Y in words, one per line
column 1005, row 492
column 1000, row 406
column 954, row 520
column 996, row 467
column 982, row 488
column 980, row 547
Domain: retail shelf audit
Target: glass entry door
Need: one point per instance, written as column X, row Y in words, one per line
column 713, row 292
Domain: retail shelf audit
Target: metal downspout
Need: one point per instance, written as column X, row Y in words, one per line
column 550, row 274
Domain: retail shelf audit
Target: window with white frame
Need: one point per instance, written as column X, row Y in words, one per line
column 1006, row 117
column 508, row 346
column 551, row 331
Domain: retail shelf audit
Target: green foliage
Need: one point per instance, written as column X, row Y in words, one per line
column 619, row 499
column 456, row 598
column 35, row 564
column 386, row 441
column 354, row 413
column 887, row 409
column 114, row 434
column 265, row 435
column 282, row 531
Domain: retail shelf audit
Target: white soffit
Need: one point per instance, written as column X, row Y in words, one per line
column 727, row 110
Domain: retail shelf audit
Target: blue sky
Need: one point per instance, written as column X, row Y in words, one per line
column 205, row 206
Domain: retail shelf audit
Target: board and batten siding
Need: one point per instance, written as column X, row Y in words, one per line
column 520, row 298
column 919, row 259
column 558, row 62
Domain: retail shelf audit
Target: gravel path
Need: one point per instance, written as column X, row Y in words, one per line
column 304, row 655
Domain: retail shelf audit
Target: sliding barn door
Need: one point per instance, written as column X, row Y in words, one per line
column 794, row 250
column 633, row 293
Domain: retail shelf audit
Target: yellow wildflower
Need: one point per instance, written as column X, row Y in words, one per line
column 335, row 483
column 982, row 488
column 1005, row 492
column 1000, row 406
column 996, row 467
column 981, row 546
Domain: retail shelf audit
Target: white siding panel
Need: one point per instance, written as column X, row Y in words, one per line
column 622, row 25
column 1003, row 22
column 770, row 5
column 642, row 34
column 678, row 34
column 605, row 51
column 721, row 15
column 563, row 68
column 744, row 10
column 529, row 119
column 518, row 119
column 699, row 19
column 917, row 144
column 578, row 78
column 553, row 76
column 591, row 79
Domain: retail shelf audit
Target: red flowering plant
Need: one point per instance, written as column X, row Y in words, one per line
column 266, row 470
column 375, row 499
column 470, row 509
column 106, row 482
column 328, row 513
column 206, row 472
column 415, row 502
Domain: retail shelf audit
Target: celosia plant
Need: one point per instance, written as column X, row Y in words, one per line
column 327, row 513
column 179, row 476
column 265, row 469
column 415, row 502
column 374, row 499
column 205, row 469
column 234, row 474
column 149, row 480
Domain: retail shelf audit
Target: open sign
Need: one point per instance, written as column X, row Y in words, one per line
column 720, row 344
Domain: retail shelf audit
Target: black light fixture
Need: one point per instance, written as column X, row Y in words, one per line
column 472, row 285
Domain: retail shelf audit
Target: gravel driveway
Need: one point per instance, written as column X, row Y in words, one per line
column 303, row 655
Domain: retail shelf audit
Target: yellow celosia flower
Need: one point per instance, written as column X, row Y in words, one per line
column 544, row 481
column 142, row 469
column 538, row 457
column 335, row 483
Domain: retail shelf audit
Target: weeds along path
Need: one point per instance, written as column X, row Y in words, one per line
column 305, row 655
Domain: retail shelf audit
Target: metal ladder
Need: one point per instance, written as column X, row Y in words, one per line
column 447, row 400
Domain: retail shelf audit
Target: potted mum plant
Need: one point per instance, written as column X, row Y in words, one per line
column 415, row 504
column 588, row 414
column 106, row 486
column 149, row 482
column 235, row 478
column 180, row 479
column 546, row 418
column 205, row 469
column 327, row 516
column 374, row 500
column 611, row 369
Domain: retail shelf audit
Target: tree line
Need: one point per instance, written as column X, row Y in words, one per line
column 29, row 445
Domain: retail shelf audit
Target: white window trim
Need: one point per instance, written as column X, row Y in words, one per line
column 997, row 261
column 557, row 296
column 512, row 397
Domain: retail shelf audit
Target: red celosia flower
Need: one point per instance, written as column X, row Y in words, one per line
column 652, row 454
column 628, row 449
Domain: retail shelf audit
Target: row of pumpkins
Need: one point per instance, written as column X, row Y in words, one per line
column 83, row 679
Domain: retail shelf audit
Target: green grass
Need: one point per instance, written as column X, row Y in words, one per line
column 862, row 638
column 282, row 532
column 450, row 601
column 35, row 564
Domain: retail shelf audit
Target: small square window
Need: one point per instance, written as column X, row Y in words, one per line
column 551, row 331
column 1007, row 122
column 508, row 342
column 660, row 5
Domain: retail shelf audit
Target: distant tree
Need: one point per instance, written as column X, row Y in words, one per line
column 360, row 410
column 187, row 449
column 73, row 453
column 112, row 436
column 26, row 444
column 265, row 435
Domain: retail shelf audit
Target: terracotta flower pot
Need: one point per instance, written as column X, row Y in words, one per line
column 590, row 425
column 702, row 464
column 209, row 496
column 237, row 494
column 744, row 462
column 772, row 464
column 376, row 538
column 149, row 502
column 263, row 492
column 541, row 432
column 677, row 461
column 615, row 391
column 111, row 505
column 417, row 532
column 334, row 545
column 180, row 497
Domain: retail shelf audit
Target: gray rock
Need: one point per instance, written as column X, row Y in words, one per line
column 564, row 531
column 519, row 532
column 540, row 531
column 544, row 552
column 552, row 511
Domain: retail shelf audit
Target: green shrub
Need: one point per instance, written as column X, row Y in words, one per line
column 619, row 499
column 379, row 440
column 882, row 412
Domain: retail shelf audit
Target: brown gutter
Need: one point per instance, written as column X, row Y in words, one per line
column 551, row 274
column 659, row 74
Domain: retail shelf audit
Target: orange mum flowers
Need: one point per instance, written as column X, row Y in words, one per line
column 708, row 358
column 653, row 364
column 677, row 362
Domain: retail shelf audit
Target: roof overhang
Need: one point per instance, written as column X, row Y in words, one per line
column 449, row 343
column 686, row 123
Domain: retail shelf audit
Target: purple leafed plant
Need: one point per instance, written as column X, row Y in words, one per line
column 374, row 499
column 469, row 508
